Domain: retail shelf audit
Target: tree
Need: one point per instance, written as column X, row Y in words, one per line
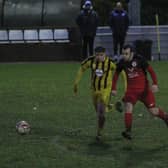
column 150, row 8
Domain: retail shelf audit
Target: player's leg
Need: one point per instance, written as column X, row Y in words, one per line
column 100, row 111
column 111, row 105
column 149, row 101
column 129, row 99
column 101, row 118
column 91, row 43
column 157, row 112
column 107, row 99
column 128, row 108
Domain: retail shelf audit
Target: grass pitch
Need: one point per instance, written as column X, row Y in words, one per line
column 64, row 126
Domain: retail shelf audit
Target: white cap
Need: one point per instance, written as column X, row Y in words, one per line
column 88, row 3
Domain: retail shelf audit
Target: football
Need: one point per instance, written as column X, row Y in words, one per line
column 23, row 127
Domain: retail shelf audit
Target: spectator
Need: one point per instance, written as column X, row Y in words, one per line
column 119, row 23
column 87, row 21
column 83, row 2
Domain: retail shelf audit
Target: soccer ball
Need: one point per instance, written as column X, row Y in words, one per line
column 23, row 127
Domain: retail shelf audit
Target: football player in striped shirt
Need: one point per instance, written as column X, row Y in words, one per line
column 102, row 68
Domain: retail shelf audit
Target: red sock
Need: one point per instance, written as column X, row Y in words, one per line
column 128, row 121
column 162, row 115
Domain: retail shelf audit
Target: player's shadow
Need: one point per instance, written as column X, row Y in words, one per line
column 105, row 147
column 99, row 144
column 99, row 148
column 138, row 156
column 126, row 154
column 130, row 154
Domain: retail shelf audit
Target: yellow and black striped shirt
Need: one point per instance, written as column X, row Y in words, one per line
column 101, row 72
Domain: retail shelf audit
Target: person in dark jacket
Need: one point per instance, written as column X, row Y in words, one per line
column 119, row 23
column 83, row 2
column 87, row 21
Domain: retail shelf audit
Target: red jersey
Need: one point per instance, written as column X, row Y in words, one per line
column 136, row 72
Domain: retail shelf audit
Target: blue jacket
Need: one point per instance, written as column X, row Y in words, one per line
column 119, row 21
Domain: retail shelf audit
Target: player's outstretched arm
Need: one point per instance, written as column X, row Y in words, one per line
column 77, row 80
column 152, row 73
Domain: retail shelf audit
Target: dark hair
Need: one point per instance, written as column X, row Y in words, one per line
column 100, row 49
column 131, row 47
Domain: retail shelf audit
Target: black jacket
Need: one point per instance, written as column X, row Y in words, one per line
column 87, row 22
column 119, row 21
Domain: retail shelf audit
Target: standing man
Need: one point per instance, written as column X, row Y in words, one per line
column 83, row 2
column 102, row 69
column 138, row 87
column 119, row 23
column 87, row 21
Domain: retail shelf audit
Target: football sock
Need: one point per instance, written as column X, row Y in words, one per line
column 101, row 117
column 99, row 131
column 128, row 121
column 101, row 121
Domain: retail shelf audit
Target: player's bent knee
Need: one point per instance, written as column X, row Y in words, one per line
column 128, row 107
column 154, row 111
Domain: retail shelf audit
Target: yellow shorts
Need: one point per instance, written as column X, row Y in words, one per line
column 102, row 96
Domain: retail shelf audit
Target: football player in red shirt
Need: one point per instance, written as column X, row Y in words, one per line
column 138, row 87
